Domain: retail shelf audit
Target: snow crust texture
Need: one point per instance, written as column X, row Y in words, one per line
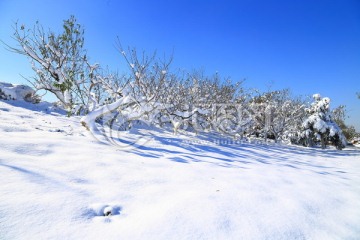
column 58, row 182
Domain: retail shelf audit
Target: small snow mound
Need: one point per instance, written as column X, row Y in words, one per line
column 10, row 91
column 102, row 210
column 108, row 211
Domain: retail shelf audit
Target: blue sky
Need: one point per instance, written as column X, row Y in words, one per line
column 309, row 46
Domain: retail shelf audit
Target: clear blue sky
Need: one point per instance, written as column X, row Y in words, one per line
column 309, row 46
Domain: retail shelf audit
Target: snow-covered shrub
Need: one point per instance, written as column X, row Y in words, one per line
column 128, row 98
column 319, row 125
column 196, row 102
column 339, row 115
column 10, row 91
column 2, row 95
column 276, row 115
column 152, row 93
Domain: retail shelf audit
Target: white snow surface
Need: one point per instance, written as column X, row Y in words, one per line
column 57, row 181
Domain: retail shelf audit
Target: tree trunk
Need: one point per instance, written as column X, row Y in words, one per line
column 323, row 141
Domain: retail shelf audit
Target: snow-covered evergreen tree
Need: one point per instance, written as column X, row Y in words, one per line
column 319, row 126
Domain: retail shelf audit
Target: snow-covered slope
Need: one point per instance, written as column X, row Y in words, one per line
column 56, row 181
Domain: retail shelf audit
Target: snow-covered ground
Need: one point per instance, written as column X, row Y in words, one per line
column 56, row 181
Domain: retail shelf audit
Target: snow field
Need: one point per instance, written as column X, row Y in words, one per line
column 57, row 181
